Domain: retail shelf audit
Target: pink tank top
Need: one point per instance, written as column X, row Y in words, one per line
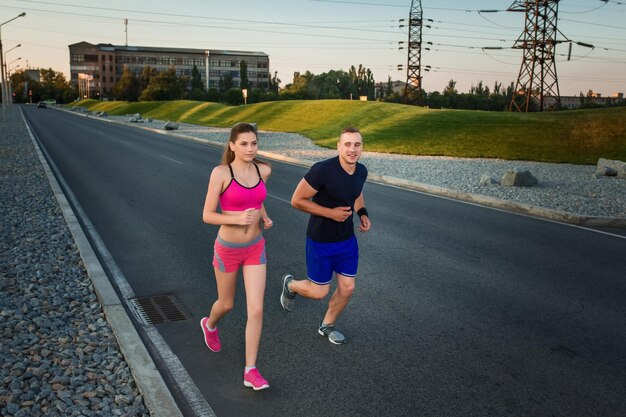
column 237, row 197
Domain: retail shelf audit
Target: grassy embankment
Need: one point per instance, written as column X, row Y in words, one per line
column 575, row 136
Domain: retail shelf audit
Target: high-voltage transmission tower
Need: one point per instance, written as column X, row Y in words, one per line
column 537, row 86
column 413, row 87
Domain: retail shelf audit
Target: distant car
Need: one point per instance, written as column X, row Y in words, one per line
column 42, row 105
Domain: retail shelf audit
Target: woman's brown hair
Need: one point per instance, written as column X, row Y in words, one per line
column 229, row 156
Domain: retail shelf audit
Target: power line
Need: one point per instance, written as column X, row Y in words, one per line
column 219, row 19
column 594, row 24
column 361, row 3
column 187, row 24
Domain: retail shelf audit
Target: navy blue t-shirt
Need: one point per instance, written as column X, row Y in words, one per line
column 335, row 187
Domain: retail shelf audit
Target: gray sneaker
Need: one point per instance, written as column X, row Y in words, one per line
column 286, row 296
column 333, row 335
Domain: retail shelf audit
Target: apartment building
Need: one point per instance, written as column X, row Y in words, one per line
column 574, row 102
column 97, row 68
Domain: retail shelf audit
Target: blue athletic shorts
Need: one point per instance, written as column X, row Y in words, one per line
column 324, row 258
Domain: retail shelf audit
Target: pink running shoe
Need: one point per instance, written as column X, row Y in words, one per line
column 254, row 380
column 211, row 338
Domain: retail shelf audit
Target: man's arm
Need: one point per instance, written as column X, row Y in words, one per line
column 365, row 224
column 301, row 200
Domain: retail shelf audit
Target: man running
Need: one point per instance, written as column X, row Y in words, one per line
column 330, row 192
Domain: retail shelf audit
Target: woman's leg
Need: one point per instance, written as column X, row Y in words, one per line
column 226, row 285
column 254, row 281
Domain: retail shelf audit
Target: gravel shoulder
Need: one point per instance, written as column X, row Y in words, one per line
column 60, row 356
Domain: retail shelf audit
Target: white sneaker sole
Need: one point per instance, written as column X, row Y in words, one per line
column 321, row 333
column 249, row 385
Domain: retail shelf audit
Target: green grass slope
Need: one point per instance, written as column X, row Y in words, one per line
column 575, row 136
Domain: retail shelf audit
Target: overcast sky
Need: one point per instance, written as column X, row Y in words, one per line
column 320, row 35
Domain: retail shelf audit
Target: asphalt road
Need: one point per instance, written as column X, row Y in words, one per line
column 459, row 309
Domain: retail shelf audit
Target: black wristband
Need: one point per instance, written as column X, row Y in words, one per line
column 362, row 212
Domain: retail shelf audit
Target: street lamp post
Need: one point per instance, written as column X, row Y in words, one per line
column 9, row 86
column 8, row 78
column 2, row 71
column 7, row 69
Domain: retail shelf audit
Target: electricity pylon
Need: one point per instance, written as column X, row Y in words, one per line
column 537, row 86
column 413, row 86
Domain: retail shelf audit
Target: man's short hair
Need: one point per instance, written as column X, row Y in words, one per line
column 350, row 129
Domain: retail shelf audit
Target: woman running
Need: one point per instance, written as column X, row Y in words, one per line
column 238, row 185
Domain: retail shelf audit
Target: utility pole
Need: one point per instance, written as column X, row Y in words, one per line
column 413, row 86
column 126, row 31
column 537, row 87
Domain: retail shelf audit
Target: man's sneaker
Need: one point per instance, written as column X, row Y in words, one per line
column 254, row 380
column 333, row 335
column 211, row 338
column 286, row 296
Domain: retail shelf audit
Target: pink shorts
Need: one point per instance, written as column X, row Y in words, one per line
column 228, row 256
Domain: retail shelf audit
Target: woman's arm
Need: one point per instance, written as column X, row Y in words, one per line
column 267, row 222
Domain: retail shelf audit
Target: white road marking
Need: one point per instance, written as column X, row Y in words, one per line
column 170, row 159
column 279, row 199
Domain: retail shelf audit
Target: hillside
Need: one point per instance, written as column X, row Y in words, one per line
column 574, row 136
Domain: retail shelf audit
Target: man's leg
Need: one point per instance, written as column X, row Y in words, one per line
column 309, row 289
column 320, row 272
column 340, row 298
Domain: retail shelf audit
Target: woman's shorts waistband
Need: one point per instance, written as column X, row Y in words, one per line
column 239, row 245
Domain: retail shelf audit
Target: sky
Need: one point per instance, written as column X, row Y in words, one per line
column 324, row 35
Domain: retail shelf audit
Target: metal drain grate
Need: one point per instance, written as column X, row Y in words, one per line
column 157, row 309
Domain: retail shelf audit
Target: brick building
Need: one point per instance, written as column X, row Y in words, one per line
column 101, row 66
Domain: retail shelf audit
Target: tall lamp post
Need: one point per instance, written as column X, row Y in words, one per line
column 8, row 72
column 4, row 89
column 8, row 78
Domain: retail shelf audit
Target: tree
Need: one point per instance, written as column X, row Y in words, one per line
column 127, row 88
column 163, row 86
column 450, row 88
column 233, row 96
column 328, row 85
column 243, row 74
column 274, row 83
column 226, row 82
column 146, row 75
column 196, row 79
column 299, row 89
column 213, row 95
column 451, row 94
column 20, row 81
column 362, row 81
column 53, row 85
column 389, row 89
column 497, row 88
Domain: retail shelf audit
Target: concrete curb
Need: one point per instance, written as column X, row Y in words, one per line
column 157, row 397
column 534, row 211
